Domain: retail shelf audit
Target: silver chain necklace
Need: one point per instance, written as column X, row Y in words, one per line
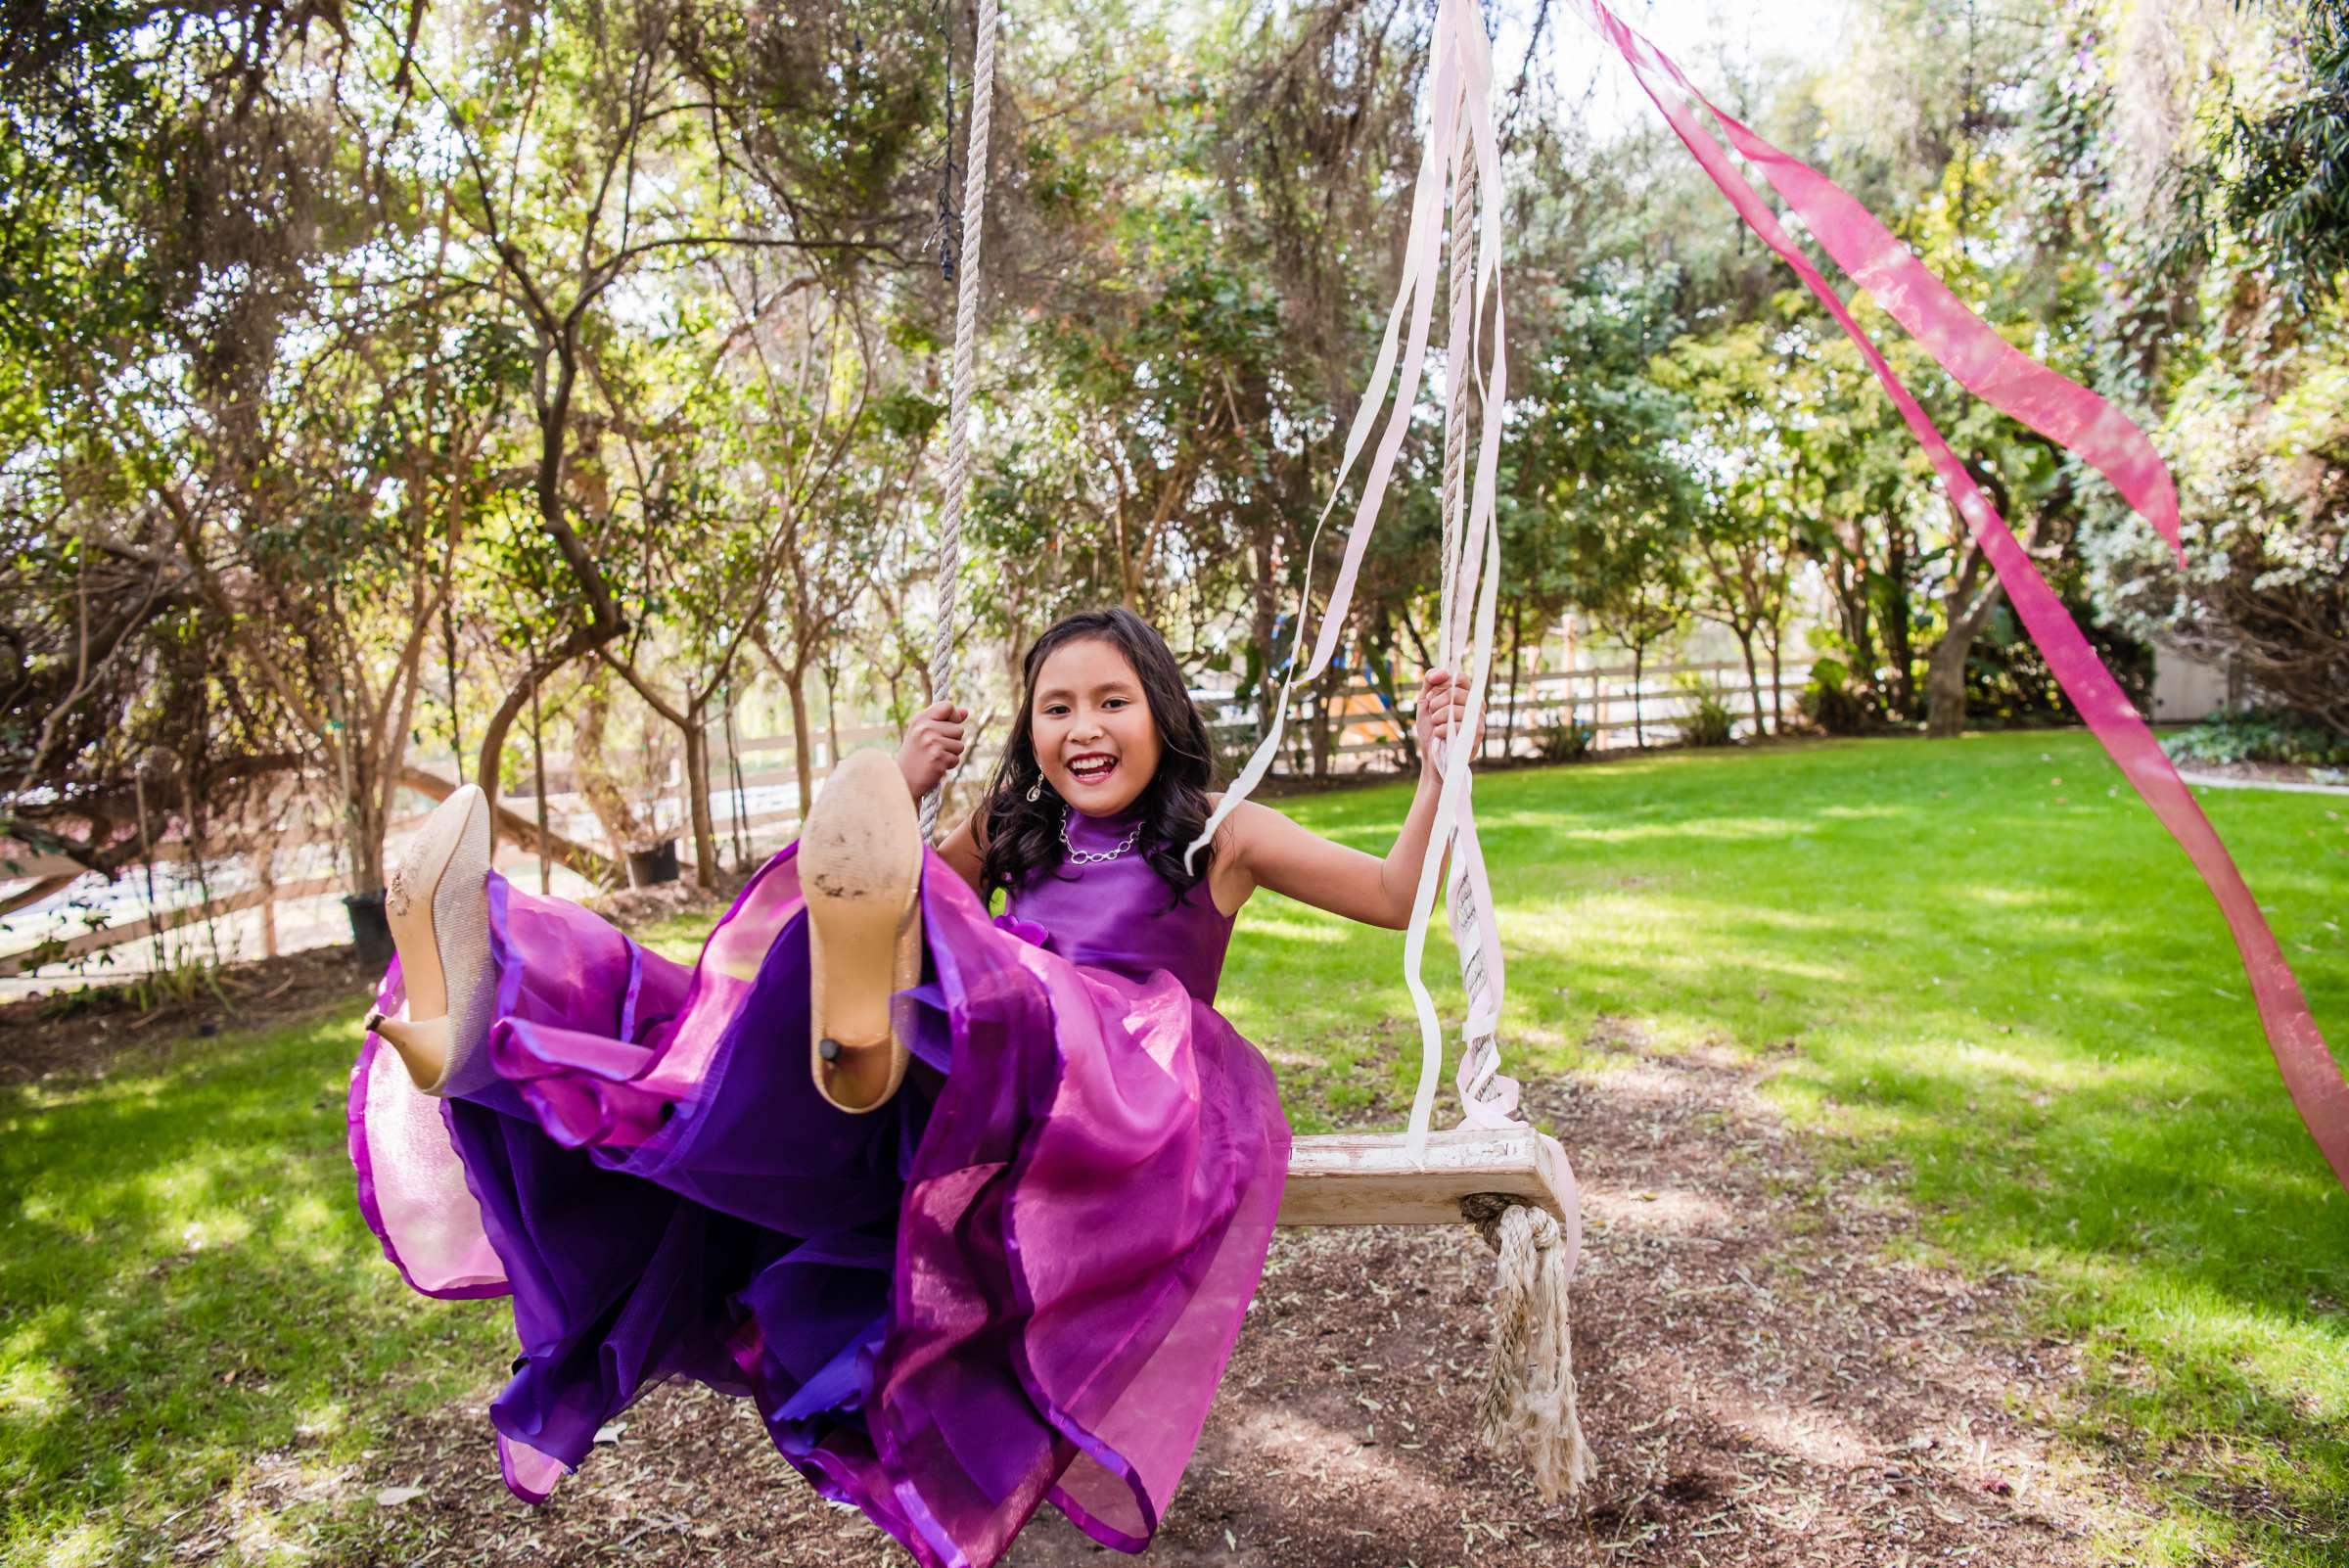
column 1079, row 856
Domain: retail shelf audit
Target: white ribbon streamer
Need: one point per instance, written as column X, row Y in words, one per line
column 1416, row 295
column 1460, row 128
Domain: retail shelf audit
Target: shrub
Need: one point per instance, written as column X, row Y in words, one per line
column 2259, row 735
column 1710, row 720
column 182, row 981
column 1828, row 700
column 1565, row 738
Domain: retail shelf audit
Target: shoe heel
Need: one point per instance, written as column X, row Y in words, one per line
column 423, row 1048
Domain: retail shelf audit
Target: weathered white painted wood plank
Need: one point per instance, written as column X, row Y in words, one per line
column 1353, row 1179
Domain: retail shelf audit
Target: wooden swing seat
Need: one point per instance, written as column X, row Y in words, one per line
column 1355, row 1179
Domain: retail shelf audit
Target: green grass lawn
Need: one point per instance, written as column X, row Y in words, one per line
column 187, row 1294
column 2001, row 978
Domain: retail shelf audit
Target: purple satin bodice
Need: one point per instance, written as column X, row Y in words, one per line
column 1115, row 914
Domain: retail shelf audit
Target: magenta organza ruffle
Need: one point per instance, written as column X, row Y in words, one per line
column 1019, row 1281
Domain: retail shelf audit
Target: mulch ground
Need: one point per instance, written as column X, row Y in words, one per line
column 77, row 1030
column 1761, row 1382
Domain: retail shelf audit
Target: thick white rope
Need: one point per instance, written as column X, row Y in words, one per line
column 1529, row 1401
column 1470, row 577
column 966, row 352
column 1459, row 307
column 1487, row 1099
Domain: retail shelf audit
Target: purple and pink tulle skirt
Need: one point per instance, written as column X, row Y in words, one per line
column 1018, row 1281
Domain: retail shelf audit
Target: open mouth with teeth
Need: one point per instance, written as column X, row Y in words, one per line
column 1091, row 767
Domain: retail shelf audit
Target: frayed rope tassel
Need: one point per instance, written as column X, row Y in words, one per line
column 1528, row 1402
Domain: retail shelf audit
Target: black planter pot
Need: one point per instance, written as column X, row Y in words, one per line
column 370, row 931
column 656, row 864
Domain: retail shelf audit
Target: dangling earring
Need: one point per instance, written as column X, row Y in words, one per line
column 1035, row 790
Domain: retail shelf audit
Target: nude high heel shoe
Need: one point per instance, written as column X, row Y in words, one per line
column 437, row 905
column 861, row 871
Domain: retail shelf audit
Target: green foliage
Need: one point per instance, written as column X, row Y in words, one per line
column 2219, row 314
column 2259, row 735
column 2273, row 176
column 180, row 981
column 1565, row 738
column 1710, row 717
column 605, row 316
column 1828, row 702
column 1608, row 503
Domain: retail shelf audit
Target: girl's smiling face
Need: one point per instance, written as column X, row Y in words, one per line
column 1094, row 737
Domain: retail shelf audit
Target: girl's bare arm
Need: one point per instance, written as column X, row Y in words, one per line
column 1272, row 852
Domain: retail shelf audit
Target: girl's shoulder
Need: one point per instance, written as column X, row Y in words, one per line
column 1242, row 815
column 1247, row 822
column 1230, row 882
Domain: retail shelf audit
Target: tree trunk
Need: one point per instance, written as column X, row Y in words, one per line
column 1267, row 619
column 1379, row 666
column 390, row 732
column 1899, row 651
column 1945, row 676
column 1509, row 736
column 697, row 800
column 1638, row 675
column 1777, row 688
column 1945, row 684
column 832, row 711
column 738, row 808
column 1124, row 569
column 1849, row 583
column 593, row 774
column 602, row 870
column 1753, row 676
column 795, row 686
column 605, row 623
column 1328, row 697
column 538, row 790
column 368, row 820
column 489, row 766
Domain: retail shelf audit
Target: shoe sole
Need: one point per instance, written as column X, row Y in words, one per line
column 860, row 872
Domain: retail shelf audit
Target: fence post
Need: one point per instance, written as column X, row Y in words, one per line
column 264, row 876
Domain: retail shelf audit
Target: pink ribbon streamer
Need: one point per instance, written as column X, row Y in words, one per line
column 2067, row 413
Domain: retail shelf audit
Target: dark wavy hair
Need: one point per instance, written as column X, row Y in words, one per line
column 1022, row 836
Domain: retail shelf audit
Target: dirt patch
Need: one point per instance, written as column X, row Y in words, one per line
column 76, row 1030
column 631, row 907
column 1760, row 1383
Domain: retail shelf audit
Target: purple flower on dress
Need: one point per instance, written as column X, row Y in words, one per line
column 1028, row 931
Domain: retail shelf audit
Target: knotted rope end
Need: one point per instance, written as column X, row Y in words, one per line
column 1529, row 1402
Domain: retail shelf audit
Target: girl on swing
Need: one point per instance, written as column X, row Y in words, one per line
column 972, row 1209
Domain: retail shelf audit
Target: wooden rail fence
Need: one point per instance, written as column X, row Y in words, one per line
column 1603, row 698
